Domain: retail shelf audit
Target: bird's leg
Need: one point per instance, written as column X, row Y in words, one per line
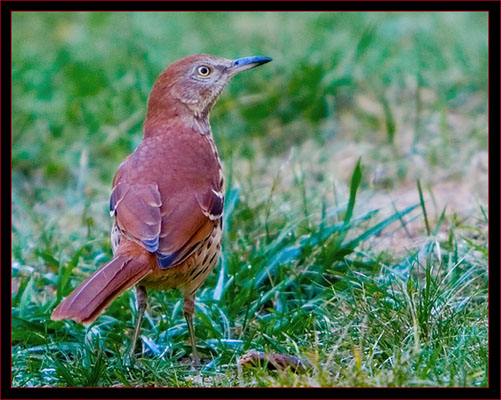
column 141, row 303
column 189, row 309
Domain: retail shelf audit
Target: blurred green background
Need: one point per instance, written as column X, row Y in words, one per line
column 82, row 79
column 406, row 92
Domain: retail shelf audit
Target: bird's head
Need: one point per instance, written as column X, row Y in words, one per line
column 198, row 80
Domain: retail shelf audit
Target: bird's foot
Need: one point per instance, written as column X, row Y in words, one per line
column 131, row 358
column 195, row 361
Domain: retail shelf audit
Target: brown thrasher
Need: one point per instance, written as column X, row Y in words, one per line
column 167, row 197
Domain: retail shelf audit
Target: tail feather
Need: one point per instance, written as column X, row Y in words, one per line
column 96, row 293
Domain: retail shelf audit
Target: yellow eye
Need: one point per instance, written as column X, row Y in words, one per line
column 204, row 71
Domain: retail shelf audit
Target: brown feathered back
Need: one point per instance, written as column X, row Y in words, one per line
column 169, row 210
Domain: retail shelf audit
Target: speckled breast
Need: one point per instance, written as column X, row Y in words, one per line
column 193, row 272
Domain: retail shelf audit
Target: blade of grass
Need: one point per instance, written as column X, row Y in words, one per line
column 264, row 298
column 64, row 372
column 25, row 297
column 229, row 206
column 389, row 120
column 482, row 209
column 421, row 201
column 379, row 227
column 403, row 223
column 439, row 222
column 287, row 254
column 65, row 273
column 218, row 290
column 356, row 178
column 482, row 249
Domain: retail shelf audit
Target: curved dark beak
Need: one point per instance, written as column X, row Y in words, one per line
column 242, row 64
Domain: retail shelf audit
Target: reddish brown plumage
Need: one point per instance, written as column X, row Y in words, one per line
column 167, row 196
column 130, row 264
column 162, row 190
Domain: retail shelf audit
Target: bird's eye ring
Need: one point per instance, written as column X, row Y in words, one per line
column 204, row 71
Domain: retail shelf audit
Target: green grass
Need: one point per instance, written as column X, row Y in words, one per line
column 355, row 217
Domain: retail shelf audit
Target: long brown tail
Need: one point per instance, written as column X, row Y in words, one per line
column 130, row 264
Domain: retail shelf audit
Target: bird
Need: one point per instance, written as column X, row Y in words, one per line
column 167, row 198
